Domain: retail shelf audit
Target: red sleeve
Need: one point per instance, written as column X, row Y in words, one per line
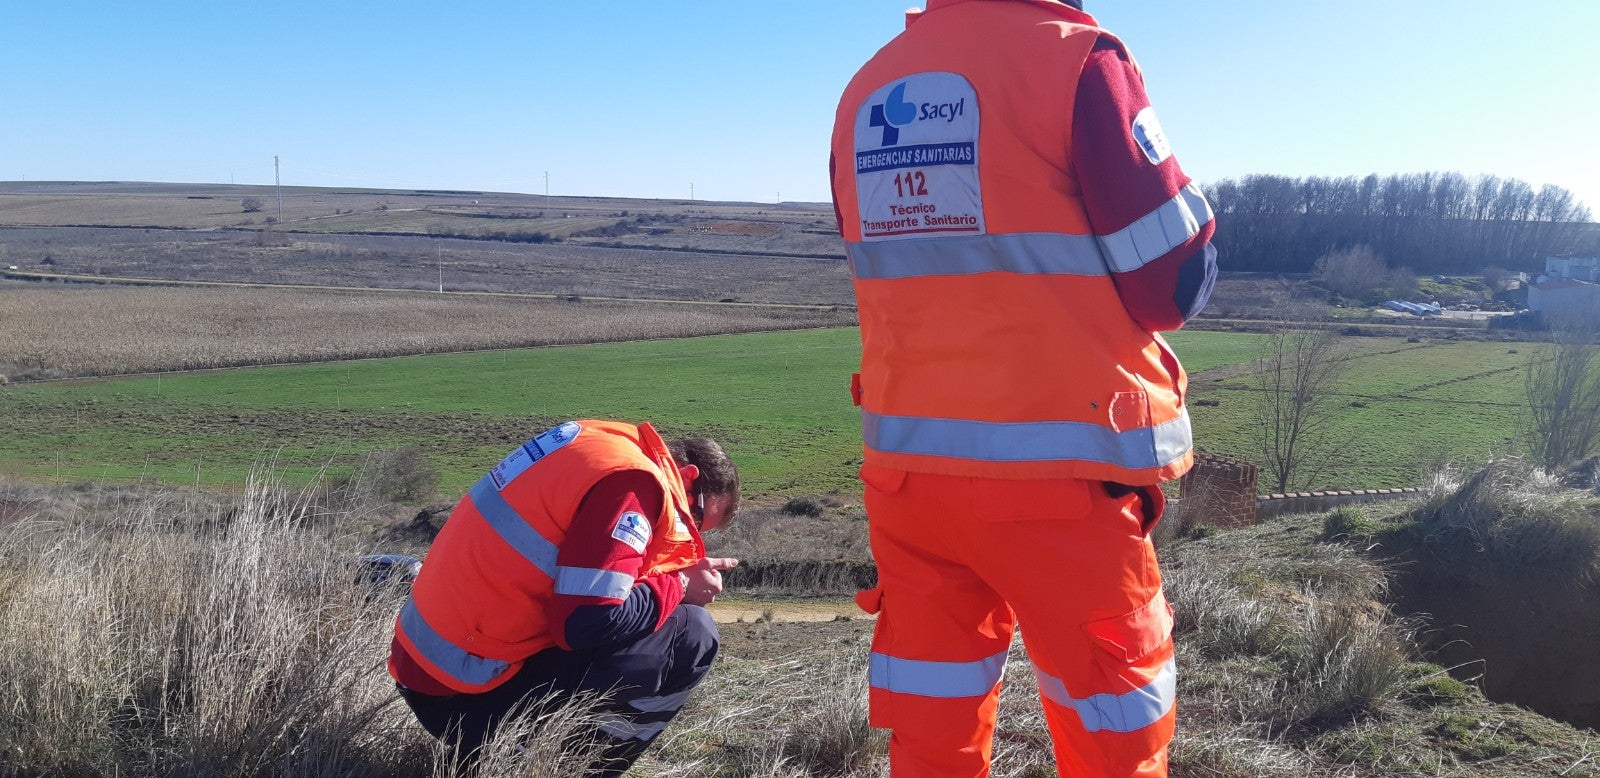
column 1153, row 224
column 833, row 184
column 600, row 560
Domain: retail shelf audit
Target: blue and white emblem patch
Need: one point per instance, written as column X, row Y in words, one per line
column 528, row 454
column 634, row 530
column 1147, row 131
column 916, row 142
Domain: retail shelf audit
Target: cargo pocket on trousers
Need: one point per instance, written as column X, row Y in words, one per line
column 883, row 481
column 1135, row 658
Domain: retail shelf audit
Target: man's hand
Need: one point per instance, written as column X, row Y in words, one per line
column 703, row 582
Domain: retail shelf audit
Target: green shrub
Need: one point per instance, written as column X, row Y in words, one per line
column 1471, row 737
column 1431, row 685
column 1347, row 521
column 401, row 475
column 803, row 506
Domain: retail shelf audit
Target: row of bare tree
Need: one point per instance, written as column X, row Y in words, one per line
column 1430, row 222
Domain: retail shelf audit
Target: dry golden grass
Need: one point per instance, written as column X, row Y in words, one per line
column 150, row 632
column 58, row 331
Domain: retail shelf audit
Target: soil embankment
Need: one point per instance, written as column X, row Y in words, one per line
column 1528, row 638
column 733, row 610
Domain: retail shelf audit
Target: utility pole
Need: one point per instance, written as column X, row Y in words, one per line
column 691, row 191
column 277, row 183
column 547, row 189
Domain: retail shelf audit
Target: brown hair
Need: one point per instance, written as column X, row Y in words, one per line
column 718, row 474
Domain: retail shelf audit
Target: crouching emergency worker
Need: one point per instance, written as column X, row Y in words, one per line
column 1019, row 231
column 576, row 565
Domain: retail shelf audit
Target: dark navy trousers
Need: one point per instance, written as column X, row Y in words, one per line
column 646, row 683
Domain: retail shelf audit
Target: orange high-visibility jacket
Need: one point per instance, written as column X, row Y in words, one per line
column 994, row 343
column 477, row 609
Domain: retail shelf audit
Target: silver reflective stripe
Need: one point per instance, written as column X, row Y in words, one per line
column 623, row 729
column 661, row 704
column 589, row 582
column 1040, row 441
column 936, row 679
column 1117, row 712
column 509, row 525
column 1028, row 252
column 1158, row 231
column 446, row 656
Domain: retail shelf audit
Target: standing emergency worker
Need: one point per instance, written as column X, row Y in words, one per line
column 576, row 565
column 1018, row 231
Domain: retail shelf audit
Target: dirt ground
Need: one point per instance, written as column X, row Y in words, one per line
column 778, row 638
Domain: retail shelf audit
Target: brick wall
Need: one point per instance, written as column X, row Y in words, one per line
column 1220, row 491
column 1275, row 505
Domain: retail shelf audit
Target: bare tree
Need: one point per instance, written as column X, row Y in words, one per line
column 1355, row 273
column 1563, row 385
column 250, row 204
column 1401, row 282
column 1295, row 375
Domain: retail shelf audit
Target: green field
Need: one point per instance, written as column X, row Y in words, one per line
column 1403, row 409
column 779, row 402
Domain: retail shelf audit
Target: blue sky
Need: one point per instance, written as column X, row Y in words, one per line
column 736, row 97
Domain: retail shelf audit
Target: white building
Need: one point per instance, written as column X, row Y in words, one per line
column 1571, row 269
column 1565, row 297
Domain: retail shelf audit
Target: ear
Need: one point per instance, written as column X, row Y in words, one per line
column 688, row 473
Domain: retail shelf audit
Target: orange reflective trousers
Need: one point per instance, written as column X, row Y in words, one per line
column 961, row 561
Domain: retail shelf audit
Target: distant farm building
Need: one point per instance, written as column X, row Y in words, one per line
column 1557, row 299
column 1570, row 286
column 1572, row 269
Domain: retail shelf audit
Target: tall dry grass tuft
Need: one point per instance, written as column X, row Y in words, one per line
column 1516, row 518
column 778, row 718
column 162, row 642
column 1278, row 640
column 832, row 736
column 1219, row 618
column 1236, row 751
column 1345, row 659
column 541, row 739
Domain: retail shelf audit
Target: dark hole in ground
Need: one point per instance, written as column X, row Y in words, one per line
column 1532, row 638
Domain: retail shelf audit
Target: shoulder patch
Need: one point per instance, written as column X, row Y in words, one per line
column 632, row 529
column 531, row 452
column 1147, row 131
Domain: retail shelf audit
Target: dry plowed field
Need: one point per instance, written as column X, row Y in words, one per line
column 57, row 330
